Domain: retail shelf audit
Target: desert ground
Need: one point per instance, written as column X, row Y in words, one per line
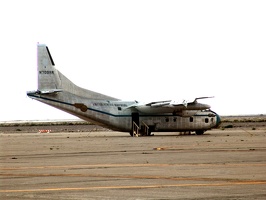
column 84, row 161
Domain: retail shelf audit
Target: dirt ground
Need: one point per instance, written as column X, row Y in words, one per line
column 222, row 164
column 83, row 161
column 20, row 128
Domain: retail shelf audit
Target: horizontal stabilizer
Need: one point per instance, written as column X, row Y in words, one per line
column 52, row 91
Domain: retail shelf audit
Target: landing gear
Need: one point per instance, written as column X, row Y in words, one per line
column 199, row 132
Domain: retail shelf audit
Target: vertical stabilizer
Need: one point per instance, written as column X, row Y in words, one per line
column 51, row 80
column 48, row 78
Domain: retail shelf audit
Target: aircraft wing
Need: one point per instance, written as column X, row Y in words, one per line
column 169, row 106
column 158, row 103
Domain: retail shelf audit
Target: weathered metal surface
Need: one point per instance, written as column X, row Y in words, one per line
column 56, row 90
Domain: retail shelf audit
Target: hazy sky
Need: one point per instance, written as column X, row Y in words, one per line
column 137, row 50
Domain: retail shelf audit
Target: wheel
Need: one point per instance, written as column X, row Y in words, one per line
column 199, row 132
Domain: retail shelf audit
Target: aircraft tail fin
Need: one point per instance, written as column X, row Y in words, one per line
column 48, row 77
column 51, row 80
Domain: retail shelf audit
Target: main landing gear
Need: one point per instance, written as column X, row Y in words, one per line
column 140, row 133
column 200, row 132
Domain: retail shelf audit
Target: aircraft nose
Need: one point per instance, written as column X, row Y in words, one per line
column 218, row 120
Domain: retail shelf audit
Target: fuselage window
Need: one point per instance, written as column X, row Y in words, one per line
column 167, row 119
column 174, row 119
column 206, row 120
column 191, row 119
column 119, row 108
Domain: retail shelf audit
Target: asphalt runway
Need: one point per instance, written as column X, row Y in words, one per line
column 221, row 164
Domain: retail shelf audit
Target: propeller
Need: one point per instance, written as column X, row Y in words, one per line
column 202, row 98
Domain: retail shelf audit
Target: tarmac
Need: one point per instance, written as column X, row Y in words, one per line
column 221, row 164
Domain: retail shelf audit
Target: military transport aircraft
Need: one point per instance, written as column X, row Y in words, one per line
column 134, row 117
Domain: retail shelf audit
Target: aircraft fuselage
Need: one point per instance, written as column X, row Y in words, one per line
column 58, row 91
column 115, row 115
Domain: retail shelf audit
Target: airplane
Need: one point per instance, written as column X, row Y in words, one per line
column 134, row 117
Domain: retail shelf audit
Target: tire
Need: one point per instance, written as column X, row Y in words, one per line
column 199, row 132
